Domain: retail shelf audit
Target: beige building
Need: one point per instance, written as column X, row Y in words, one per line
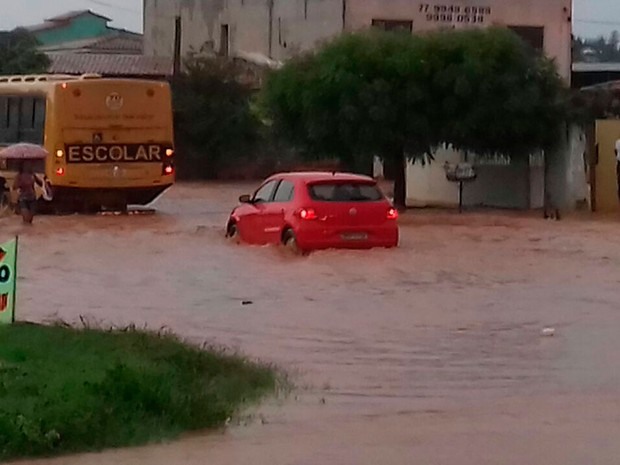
column 281, row 28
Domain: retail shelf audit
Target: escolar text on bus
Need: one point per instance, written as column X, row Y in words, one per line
column 102, row 153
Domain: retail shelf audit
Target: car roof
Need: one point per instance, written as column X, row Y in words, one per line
column 320, row 176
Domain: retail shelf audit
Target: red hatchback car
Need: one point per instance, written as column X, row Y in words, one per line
column 310, row 211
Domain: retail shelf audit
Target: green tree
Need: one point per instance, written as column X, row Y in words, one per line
column 507, row 98
column 19, row 54
column 400, row 97
column 359, row 96
column 214, row 123
column 498, row 95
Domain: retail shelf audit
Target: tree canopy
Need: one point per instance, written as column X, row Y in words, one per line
column 401, row 96
column 213, row 118
column 19, row 54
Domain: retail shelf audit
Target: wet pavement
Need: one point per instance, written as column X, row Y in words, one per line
column 432, row 353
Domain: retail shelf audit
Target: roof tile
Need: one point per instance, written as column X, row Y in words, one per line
column 110, row 64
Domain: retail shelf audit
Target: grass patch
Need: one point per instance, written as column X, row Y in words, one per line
column 66, row 390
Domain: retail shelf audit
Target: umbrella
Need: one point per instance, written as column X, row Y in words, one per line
column 24, row 151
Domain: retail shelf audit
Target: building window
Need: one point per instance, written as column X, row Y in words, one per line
column 224, row 40
column 532, row 35
column 393, row 25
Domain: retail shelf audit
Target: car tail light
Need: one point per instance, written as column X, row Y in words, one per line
column 307, row 214
column 392, row 214
column 60, row 171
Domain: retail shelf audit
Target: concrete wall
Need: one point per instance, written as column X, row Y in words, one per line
column 296, row 25
column 427, row 184
column 497, row 185
column 506, row 187
column 568, row 177
column 577, row 190
column 505, row 184
column 301, row 24
column 200, row 20
column 553, row 15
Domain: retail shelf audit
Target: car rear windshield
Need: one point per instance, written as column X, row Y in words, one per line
column 345, row 192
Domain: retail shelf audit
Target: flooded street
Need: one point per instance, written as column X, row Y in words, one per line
column 429, row 354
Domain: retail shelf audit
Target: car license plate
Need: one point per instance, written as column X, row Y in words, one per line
column 354, row 236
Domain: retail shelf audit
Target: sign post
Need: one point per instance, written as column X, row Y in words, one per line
column 8, row 281
column 460, row 173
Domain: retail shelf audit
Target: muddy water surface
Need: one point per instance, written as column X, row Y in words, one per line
column 428, row 354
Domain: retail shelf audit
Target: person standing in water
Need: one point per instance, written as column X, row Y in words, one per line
column 25, row 184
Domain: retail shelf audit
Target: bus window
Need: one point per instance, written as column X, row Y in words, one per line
column 39, row 116
column 8, row 120
column 13, row 120
column 22, row 120
column 4, row 113
column 32, row 120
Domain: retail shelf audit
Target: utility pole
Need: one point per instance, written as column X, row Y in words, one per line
column 270, row 6
column 177, row 47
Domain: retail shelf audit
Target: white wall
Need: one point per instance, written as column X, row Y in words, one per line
column 507, row 186
column 427, row 184
column 568, row 175
column 579, row 186
column 496, row 185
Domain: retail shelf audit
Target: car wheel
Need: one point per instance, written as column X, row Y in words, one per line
column 232, row 232
column 290, row 243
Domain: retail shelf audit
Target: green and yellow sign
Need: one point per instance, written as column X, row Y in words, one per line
column 8, row 281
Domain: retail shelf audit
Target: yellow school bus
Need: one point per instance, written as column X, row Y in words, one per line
column 110, row 140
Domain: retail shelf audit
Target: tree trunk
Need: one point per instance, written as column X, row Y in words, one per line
column 546, row 199
column 400, row 180
column 528, row 184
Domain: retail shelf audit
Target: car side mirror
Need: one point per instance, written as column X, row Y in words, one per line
column 245, row 199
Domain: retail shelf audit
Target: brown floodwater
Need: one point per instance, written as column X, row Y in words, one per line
column 432, row 353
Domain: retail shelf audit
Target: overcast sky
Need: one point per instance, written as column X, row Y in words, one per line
column 592, row 17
